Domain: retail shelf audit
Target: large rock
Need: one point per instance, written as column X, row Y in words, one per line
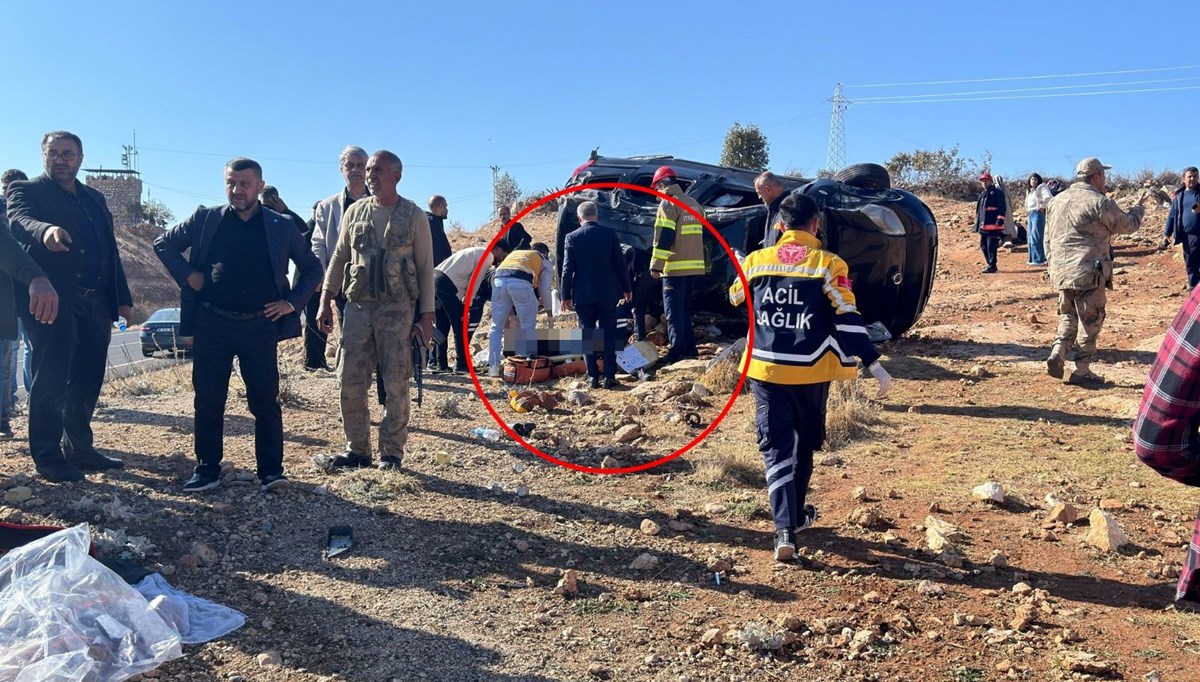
column 628, row 433
column 1063, row 513
column 207, row 556
column 948, row 530
column 18, row 494
column 866, row 517
column 568, row 585
column 989, row 492
column 644, row 562
column 1105, row 534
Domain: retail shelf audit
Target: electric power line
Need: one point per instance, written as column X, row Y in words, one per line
column 1040, row 89
column 1046, row 96
column 1022, row 78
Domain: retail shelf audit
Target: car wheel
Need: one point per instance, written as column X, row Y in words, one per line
column 864, row 175
column 146, row 353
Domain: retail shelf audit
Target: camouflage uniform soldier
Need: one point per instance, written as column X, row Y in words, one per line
column 383, row 263
column 1081, row 222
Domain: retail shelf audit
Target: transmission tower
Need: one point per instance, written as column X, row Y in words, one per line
column 835, row 158
column 495, row 181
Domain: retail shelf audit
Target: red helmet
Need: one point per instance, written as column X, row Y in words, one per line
column 661, row 174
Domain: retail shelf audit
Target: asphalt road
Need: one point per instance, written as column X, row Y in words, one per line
column 124, row 357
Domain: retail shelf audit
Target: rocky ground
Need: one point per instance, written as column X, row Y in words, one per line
column 480, row 561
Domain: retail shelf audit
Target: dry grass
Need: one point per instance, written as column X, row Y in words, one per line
column 448, row 407
column 723, row 378
column 174, row 378
column 737, row 466
column 851, row 415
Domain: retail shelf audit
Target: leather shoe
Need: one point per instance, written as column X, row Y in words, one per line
column 93, row 461
column 59, row 471
column 595, row 383
column 610, row 382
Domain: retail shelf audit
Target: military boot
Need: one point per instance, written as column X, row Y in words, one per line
column 1054, row 363
column 1083, row 374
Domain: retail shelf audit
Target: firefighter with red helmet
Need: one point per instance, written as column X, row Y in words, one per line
column 678, row 259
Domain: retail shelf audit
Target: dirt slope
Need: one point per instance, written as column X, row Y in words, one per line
column 453, row 572
column 151, row 286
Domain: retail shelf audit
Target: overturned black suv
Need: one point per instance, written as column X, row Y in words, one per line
column 887, row 236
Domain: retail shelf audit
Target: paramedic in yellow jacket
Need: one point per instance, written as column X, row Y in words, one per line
column 513, row 292
column 677, row 258
column 807, row 331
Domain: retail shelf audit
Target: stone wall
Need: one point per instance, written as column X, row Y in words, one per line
column 123, row 193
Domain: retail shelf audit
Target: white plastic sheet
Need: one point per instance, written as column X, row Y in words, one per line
column 65, row 617
column 198, row 620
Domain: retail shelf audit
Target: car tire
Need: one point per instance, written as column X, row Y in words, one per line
column 146, row 353
column 865, row 176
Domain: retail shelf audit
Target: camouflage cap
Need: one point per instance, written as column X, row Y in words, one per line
column 1089, row 167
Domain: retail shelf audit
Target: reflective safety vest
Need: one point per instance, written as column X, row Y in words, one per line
column 524, row 264
column 807, row 329
column 678, row 237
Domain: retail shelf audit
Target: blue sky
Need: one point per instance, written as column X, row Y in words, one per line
column 455, row 87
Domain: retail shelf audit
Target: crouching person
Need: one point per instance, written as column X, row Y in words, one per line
column 806, row 332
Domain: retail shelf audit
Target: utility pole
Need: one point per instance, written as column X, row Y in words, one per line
column 835, row 158
column 495, row 180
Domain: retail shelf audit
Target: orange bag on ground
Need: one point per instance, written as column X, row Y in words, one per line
column 519, row 370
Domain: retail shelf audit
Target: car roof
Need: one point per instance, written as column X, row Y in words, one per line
column 686, row 169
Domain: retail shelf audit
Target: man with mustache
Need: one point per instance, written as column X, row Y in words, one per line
column 383, row 264
column 67, row 229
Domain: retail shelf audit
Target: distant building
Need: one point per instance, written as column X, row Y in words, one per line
column 123, row 191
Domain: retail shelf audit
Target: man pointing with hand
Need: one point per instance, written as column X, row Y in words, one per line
column 806, row 330
column 67, row 229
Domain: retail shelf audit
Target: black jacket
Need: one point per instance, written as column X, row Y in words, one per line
column 990, row 210
column 284, row 241
column 35, row 206
column 17, row 269
column 594, row 269
column 437, row 230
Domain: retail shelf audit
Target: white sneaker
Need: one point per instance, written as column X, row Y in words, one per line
column 493, row 372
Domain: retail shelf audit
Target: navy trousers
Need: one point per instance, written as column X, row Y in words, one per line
column 789, row 423
column 603, row 319
column 1191, row 258
column 677, row 303
column 989, row 243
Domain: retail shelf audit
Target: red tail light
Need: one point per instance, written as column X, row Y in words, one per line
column 145, row 328
column 577, row 170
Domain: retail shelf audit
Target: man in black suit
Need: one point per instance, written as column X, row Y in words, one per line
column 67, row 229
column 594, row 278
column 236, row 302
column 439, row 209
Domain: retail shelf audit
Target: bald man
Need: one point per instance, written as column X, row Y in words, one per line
column 438, row 210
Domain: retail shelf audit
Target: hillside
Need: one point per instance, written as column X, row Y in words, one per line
column 151, row 286
column 667, row 575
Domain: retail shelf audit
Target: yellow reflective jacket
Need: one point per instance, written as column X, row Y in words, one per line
column 807, row 329
column 526, row 261
column 678, row 237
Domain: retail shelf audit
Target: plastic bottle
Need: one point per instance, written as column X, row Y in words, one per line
column 121, row 324
column 485, row 433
